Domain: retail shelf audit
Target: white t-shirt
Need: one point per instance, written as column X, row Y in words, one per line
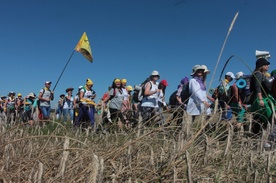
column 68, row 104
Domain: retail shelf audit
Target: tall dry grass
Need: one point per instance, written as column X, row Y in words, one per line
column 199, row 151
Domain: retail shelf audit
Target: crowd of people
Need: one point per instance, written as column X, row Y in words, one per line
column 119, row 104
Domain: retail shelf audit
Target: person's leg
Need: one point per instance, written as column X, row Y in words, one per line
column 8, row 115
column 91, row 113
column 44, row 112
column 146, row 115
column 25, row 116
column 80, row 115
column 65, row 113
column 48, row 112
column 71, row 113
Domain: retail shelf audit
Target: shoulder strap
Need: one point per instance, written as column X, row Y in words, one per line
column 43, row 92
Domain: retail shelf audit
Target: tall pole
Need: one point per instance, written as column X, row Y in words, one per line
column 63, row 69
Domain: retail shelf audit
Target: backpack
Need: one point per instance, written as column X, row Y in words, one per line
column 172, row 100
column 139, row 91
column 224, row 94
column 185, row 95
column 135, row 96
column 243, row 85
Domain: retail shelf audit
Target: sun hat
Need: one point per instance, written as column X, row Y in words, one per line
column 124, row 81
column 69, row 89
column 261, row 62
column 154, row 73
column 19, row 95
column 129, row 88
column 32, row 95
column 239, row 75
column 89, row 82
column 48, row 82
column 164, row 82
column 230, row 74
column 206, row 69
column 3, row 97
column 11, row 93
column 195, row 68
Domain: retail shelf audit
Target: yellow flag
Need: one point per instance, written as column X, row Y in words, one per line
column 83, row 46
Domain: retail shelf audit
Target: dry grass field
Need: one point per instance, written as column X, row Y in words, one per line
column 202, row 151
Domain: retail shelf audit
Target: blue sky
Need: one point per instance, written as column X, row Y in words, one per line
column 129, row 39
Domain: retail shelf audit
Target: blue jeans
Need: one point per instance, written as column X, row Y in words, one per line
column 65, row 113
column 45, row 111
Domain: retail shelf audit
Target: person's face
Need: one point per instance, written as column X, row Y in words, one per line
column 155, row 77
column 229, row 78
column 199, row 72
column 266, row 67
column 118, row 84
column 48, row 85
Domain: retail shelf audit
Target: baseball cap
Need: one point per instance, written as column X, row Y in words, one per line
column 230, row 74
column 239, row 75
column 164, row 82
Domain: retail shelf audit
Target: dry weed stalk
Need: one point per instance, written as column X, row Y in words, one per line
column 157, row 155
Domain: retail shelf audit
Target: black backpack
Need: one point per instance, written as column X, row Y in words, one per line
column 135, row 96
column 245, row 92
column 172, row 99
column 185, row 95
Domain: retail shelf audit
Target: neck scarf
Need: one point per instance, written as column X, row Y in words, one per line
column 201, row 83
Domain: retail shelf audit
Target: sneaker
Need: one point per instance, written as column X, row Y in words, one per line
column 266, row 145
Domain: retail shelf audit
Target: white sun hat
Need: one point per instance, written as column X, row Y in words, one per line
column 205, row 69
column 195, row 68
column 155, row 73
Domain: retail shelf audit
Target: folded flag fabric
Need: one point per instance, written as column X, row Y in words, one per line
column 83, row 46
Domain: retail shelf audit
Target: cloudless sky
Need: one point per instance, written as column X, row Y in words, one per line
column 129, row 39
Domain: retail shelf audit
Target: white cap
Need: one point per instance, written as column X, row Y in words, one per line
column 239, row 74
column 230, row 74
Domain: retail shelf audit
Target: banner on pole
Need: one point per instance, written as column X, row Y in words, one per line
column 83, row 46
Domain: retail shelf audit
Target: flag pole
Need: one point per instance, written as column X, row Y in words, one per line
column 63, row 69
